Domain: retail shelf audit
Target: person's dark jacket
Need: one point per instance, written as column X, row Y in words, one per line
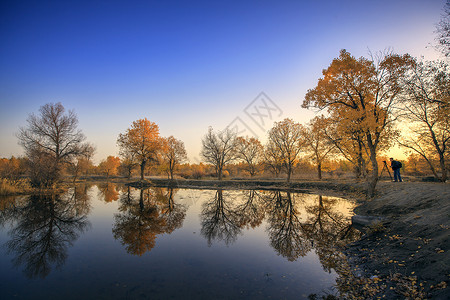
column 396, row 165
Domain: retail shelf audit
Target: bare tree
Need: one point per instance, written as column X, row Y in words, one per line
column 50, row 140
column 443, row 31
column 251, row 152
column 427, row 109
column 285, row 136
column 219, row 149
column 173, row 154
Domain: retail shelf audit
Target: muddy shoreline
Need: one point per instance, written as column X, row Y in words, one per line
column 406, row 256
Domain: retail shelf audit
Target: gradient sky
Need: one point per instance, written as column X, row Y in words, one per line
column 186, row 65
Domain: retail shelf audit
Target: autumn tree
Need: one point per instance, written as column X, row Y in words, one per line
column 367, row 90
column 250, row 151
column 273, row 160
column 426, row 107
column 51, row 140
column 348, row 138
column 83, row 163
column 128, row 163
column 285, row 137
column 173, row 154
column 12, row 168
column 219, row 149
column 316, row 142
column 141, row 142
column 109, row 166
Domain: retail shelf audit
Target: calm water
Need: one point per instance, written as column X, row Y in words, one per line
column 113, row 242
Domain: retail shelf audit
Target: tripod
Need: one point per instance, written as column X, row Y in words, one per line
column 387, row 169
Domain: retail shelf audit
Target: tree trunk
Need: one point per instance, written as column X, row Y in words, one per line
column 289, row 171
column 219, row 173
column 142, row 169
column 319, row 170
column 373, row 180
column 443, row 167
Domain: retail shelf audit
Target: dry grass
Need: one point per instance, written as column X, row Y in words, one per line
column 14, row 187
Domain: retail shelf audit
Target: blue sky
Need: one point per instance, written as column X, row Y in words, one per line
column 186, row 65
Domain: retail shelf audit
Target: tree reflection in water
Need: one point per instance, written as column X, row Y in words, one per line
column 251, row 211
column 322, row 227
column 46, row 225
column 108, row 191
column 328, row 229
column 286, row 232
column 296, row 223
column 140, row 222
column 219, row 220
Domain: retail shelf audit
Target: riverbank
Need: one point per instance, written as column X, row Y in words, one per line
column 406, row 256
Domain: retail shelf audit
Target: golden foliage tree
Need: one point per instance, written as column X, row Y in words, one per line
column 12, row 168
column 348, row 138
column 317, row 142
column 364, row 92
column 109, row 166
column 286, row 140
column 141, row 142
column 250, row 151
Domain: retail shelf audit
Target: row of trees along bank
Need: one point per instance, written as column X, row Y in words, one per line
column 363, row 104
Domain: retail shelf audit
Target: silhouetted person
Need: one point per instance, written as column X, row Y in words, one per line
column 396, row 165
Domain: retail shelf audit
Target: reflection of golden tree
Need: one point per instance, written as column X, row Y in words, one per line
column 138, row 226
column 140, row 222
column 329, row 229
column 46, row 227
column 8, row 206
column 108, row 191
column 285, row 229
column 219, row 220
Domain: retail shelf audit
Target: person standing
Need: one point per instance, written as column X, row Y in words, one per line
column 395, row 166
